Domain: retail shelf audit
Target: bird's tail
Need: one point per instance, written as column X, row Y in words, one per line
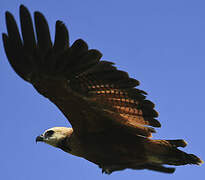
column 178, row 157
column 167, row 152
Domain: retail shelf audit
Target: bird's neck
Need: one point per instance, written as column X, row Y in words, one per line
column 64, row 144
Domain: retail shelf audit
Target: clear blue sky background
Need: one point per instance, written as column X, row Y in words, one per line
column 159, row 42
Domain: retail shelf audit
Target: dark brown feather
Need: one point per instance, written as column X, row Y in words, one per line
column 61, row 37
column 62, row 73
column 27, row 31
column 42, row 32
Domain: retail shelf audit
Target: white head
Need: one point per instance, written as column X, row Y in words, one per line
column 54, row 135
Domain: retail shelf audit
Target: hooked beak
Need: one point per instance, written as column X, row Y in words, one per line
column 39, row 138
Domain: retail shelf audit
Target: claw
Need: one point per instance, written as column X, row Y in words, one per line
column 106, row 171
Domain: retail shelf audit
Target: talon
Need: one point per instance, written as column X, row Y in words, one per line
column 107, row 171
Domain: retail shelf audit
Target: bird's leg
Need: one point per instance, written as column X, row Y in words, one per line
column 106, row 171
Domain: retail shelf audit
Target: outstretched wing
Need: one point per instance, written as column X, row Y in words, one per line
column 92, row 94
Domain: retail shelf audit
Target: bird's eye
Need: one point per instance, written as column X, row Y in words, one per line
column 49, row 133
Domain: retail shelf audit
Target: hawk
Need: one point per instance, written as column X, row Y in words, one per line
column 112, row 121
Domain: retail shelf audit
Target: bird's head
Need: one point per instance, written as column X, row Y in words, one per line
column 55, row 135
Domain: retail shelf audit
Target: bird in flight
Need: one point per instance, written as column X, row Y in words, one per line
column 112, row 121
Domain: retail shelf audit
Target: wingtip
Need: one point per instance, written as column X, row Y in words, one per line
column 39, row 18
column 22, row 7
column 58, row 22
column 37, row 14
column 23, row 10
column 8, row 15
column 62, row 26
column 10, row 20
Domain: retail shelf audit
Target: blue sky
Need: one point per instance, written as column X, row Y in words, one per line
column 161, row 43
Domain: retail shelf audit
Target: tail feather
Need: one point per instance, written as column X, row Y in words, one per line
column 177, row 157
column 178, row 142
column 160, row 168
column 154, row 167
column 191, row 159
column 167, row 152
